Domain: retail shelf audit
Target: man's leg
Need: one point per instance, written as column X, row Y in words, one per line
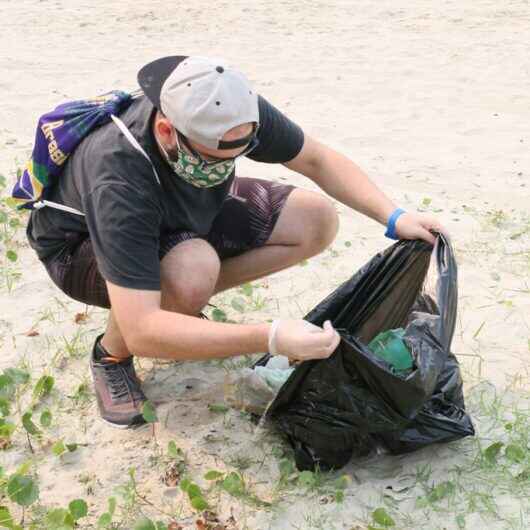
column 308, row 224
column 188, row 274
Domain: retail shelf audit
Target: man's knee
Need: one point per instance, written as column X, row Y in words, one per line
column 322, row 224
column 189, row 273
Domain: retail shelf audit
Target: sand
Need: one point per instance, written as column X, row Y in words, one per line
column 431, row 99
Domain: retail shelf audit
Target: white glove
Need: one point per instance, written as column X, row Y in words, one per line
column 301, row 340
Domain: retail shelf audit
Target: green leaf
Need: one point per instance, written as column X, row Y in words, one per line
column 11, row 202
column 339, row 496
column 213, row 475
column 247, row 289
column 381, row 517
column 3, row 216
column 43, row 387
column 104, row 520
column 144, row 524
column 184, row 484
column 199, row 503
column 71, row 447
column 59, row 519
column 460, row 521
column 218, row 407
column 342, row 482
column 58, row 448
column 6, row 521
column 161, row 526
column 24, row 467
column 22, row 489
column 112, row 505
column 11, row 255
column 219, row 315
column 46, row 418
column 426, row 201
column 56, row 518
column 441, row 491
column 515, row 453
column 7, row 386
column 5, row 407
column 347, row 243
column 6, row 428
column 233, row 484
column 306, row 479
column 286, row 467
column 78, row 508
column 238, row 304
column 18, row 376
column 492, row 451
column 30, row 427
column 173, row 451
column 149, row 412
column 193, row 491
column 69, row 521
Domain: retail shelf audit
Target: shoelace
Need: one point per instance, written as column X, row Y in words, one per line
column 120, row 381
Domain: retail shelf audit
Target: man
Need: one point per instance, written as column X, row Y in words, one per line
column 167, row 224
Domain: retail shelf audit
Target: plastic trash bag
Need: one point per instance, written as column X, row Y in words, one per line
column 343, row 406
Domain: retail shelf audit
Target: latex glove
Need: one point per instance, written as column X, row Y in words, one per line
column 418, row 226
column 300, row 340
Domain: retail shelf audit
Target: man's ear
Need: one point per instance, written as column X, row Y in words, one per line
column 163, row 128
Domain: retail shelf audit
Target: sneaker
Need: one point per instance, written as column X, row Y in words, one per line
column 118, row 391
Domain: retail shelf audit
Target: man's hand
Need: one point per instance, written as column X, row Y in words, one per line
column 418, row 226
column 300, row 340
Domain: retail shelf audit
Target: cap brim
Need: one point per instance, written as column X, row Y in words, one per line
column 153, row 75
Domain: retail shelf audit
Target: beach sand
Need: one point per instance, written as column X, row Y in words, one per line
column 430, row 99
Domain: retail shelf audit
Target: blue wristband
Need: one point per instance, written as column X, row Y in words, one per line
column 391, row 226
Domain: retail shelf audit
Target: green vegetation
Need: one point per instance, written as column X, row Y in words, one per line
column 224, row 480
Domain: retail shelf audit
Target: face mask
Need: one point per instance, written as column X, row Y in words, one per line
column 198, row 173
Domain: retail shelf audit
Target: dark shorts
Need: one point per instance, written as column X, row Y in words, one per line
column 246, row 221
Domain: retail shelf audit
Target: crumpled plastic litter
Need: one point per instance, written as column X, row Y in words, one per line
column 390, row 346
column 276, row 372
column 253, row 389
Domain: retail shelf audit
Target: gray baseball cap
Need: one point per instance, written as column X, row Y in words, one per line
column 202, row 97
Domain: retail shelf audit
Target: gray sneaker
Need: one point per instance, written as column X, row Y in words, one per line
column 118, row 391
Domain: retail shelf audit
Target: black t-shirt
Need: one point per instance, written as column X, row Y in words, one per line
column 126, row 210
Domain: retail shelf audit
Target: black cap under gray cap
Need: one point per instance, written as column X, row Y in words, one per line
column 202, row 97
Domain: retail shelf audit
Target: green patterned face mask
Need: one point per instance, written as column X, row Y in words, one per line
column 197, row 172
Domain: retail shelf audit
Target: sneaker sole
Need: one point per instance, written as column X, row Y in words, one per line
column 121, row 426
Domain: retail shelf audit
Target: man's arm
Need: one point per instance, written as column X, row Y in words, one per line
column 151, row 331
column 340, row 178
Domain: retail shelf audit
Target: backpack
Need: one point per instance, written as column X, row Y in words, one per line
column 58, row 133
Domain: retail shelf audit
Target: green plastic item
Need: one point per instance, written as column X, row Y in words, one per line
column 389, row 345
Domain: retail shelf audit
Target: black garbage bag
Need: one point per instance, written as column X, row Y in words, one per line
column 336, row 408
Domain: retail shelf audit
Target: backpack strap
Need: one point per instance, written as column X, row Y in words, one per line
column 134, row 142
column 42, row 203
